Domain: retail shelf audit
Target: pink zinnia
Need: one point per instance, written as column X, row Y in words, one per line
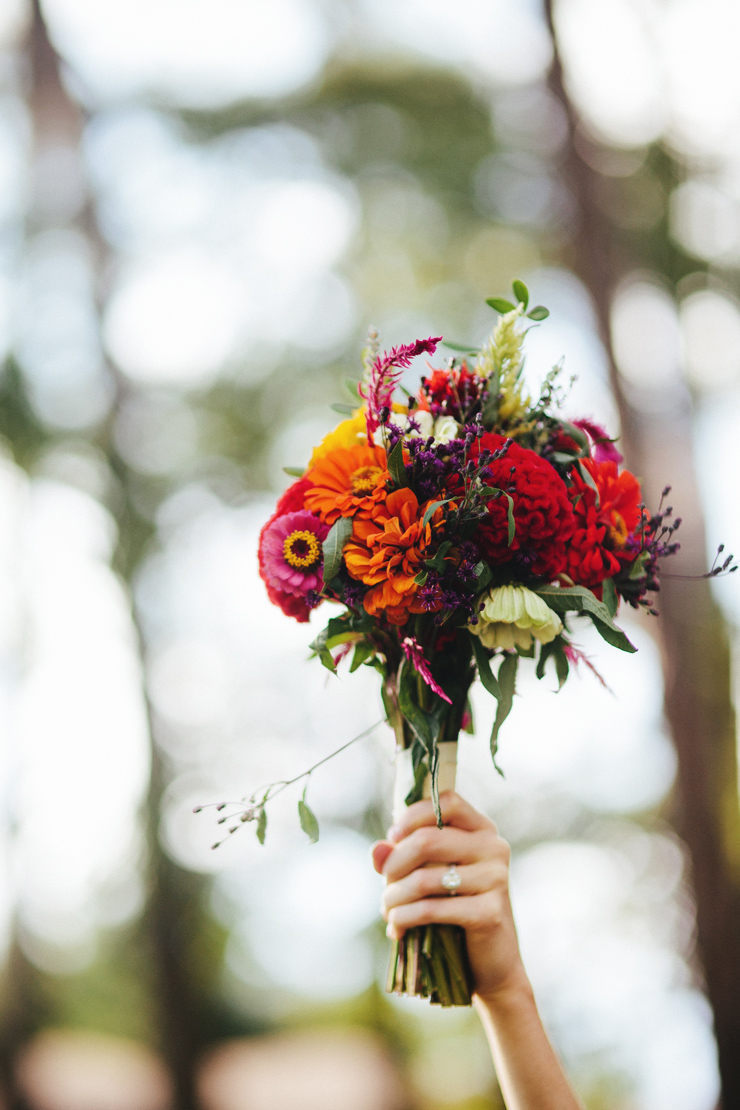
column 292, row 552
column 604, row 448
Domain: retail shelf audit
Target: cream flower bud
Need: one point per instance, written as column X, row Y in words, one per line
column 513, row 616
column 445, row 429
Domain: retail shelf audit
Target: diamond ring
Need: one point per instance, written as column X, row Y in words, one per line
column 451, row 880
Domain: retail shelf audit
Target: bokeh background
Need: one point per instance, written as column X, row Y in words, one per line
column 203, row 205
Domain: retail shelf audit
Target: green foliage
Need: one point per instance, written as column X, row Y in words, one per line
column 333, row 546
column 307, row 818
column 579, row 599
column 396, row 467
column 507, row 683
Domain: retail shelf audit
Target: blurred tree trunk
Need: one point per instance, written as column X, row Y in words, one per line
column 57, row 129
column 693, row 636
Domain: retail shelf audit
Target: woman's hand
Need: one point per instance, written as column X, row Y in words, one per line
column 413, row 860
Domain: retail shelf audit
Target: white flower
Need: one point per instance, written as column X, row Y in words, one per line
column 441, row 430
column 425, row 420
column 513, row 616
column 445, row 429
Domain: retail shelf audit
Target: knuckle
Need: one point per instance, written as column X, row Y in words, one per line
column 425, row 839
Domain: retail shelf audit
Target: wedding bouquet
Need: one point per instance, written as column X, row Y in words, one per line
column 457, row 531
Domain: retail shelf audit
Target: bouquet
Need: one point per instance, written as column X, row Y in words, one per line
column 457, row 531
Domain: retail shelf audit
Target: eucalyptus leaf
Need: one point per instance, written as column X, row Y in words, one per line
column 308, row 821
column 352, row 385
column 345, row 410
column 333, row 546
column 294, row 471
column 521, row 293
column 539, row 312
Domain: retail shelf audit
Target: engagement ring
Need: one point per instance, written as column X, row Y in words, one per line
column 451, row 879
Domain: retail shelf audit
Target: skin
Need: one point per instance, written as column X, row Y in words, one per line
column 413, row 859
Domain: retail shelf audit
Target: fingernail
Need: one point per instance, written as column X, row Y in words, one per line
column 394, row 832
column 389, row 932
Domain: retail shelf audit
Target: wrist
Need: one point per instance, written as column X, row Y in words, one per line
column 512, row 994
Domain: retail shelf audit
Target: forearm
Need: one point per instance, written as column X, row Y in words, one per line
column 528, row 1070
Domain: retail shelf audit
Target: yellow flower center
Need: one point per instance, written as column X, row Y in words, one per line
column 301, row 549
column 618, row 530
column 365, row 479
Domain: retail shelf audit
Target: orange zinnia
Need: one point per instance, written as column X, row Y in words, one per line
column 347, row 482
column 387, row 551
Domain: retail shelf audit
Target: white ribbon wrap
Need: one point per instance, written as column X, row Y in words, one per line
column 404, row 780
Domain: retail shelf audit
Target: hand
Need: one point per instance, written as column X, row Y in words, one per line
column 413, row 860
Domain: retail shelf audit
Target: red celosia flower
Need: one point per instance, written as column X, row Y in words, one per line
column 291, row 604
column 604, row 522
column 542, row 512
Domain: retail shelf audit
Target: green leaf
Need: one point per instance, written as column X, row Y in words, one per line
column 352, row 386
column 483, row 663
column 588, row 479
column 521, row 293
column 576, row 434
column 609, row 596
column 498, row 304
column 333, row 546
column 613, row 635
column 546, row 651
column 463, row 348
column 262, row 825
column 433, row 508
column 510, row 518
column 421, row 577
column 562, row 667
column 309, row 824
column 294, row 471
column 416, row 793
column 507, row 683
column 637, row 570
column 363, row 651
column 319, row 647
column 407, row 703
column 580, row 600
column 562, row 458
column 345, row 410
column 396, row 469
column 539, row 312
column 470, row 726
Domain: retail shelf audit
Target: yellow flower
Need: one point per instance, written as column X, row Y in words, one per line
column 350, row 433
column 513, row 616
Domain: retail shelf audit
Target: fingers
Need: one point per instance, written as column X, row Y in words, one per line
column 480, row 911
column 455, row 811
column 429, row 844
column 426, row 882
column 379, row 853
